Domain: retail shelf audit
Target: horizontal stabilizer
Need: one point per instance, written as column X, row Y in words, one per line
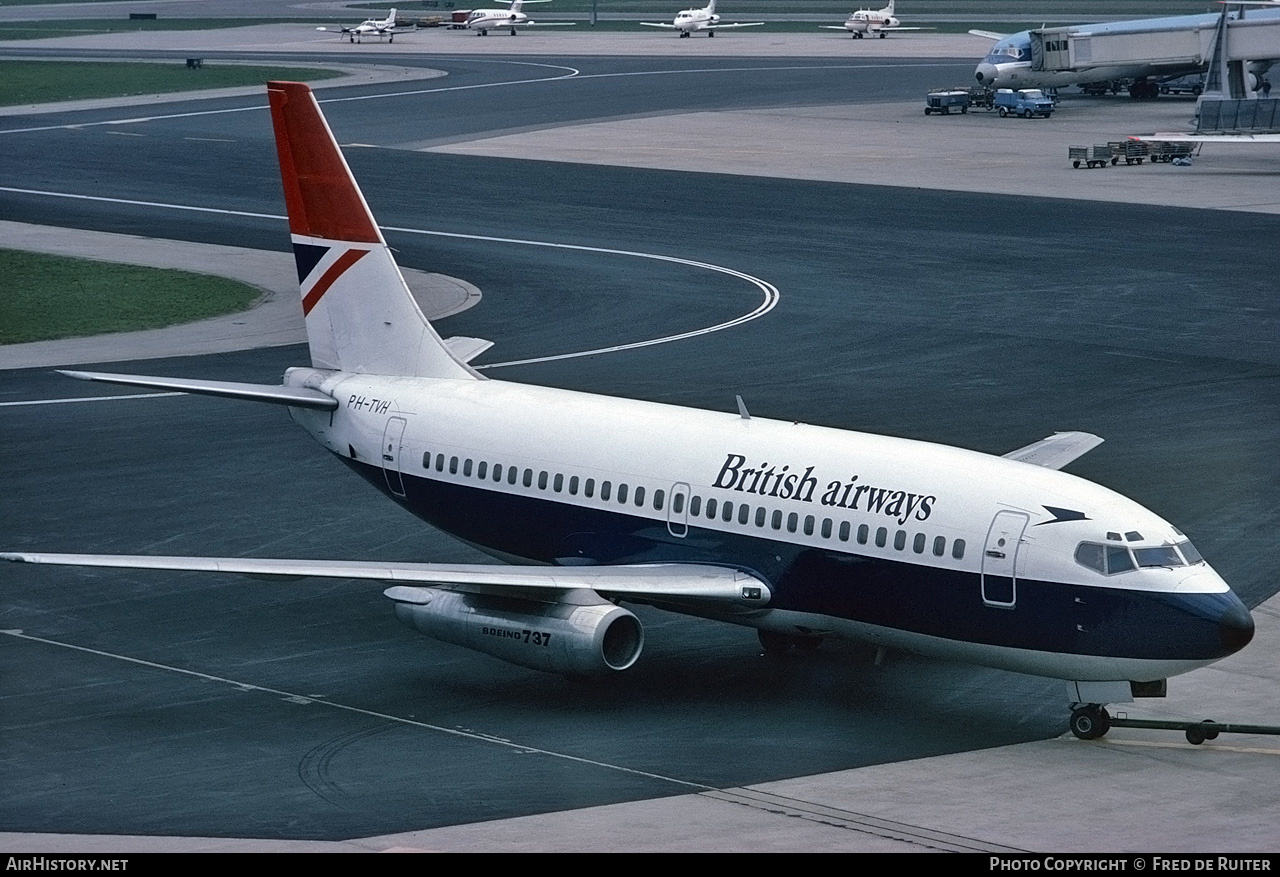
column 296, row 397
column 670, row 581
column 466, row 349
column 1057, row 450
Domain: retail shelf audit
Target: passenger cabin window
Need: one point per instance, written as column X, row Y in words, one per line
column 711, row 508
column 658, row 497
column 695, row 505
column 573, row 485
column 542, row 480
column 622, row 493
column 558, row 484
column 482, row 470
column 639, row 497
column 453, row 465
column 917, row 544
column 513, row 473
column 528, row 478
column 844, row 531
column 606, row 488
column 957, row 549
column 900, row 539
column 589, row 490
column 466, row 467
column 882, row 536
column 863, row 532
column 939, row 546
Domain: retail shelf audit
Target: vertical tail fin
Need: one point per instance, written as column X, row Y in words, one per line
column 360, row 316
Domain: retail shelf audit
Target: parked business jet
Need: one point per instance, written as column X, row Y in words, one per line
column 370, row 27
column 484, row 20
column 1010, row 64
column 871, row 21
column 799, row 531
column 689, row 20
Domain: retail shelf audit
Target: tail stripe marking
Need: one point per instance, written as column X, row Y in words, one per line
column 336, row 270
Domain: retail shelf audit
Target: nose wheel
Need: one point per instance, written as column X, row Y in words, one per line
column 1091, row 721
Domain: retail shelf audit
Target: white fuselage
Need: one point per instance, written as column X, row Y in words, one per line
column 689, row 20
column 867, row 21
column 484, row 20
column 899, row 530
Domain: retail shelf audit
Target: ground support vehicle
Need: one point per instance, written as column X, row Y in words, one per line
column 1132, row 151
column 1097, row 156
column 1160, row 150
column 1089, row 723
column 982, row 98
column 1027, row 103
column 944, row 102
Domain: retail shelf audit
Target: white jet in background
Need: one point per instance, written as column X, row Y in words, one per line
column 689, row 20
column 871, row 21
column 482, row 20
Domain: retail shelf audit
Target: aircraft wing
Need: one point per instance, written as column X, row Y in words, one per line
column 1217, row 138
column 550, row 23
column 732, row 24
column 661, row 581
column 658, row 24
column 991, row 35
column 1057, row 450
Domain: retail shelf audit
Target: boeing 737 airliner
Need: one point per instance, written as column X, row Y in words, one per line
column 798, row 531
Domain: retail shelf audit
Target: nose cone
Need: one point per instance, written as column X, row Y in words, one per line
column 985, row 74
column 1235, row 627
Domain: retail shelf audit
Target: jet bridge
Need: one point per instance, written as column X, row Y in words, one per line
column 1171, row 45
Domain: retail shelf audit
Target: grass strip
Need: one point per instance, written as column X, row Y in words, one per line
column 37, row 82
column 47, row 297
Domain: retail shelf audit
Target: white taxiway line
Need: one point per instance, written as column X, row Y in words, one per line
column 572, row 72
column 769, row 291
column 320, row 701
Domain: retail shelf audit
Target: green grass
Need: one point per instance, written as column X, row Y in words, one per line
column 37, row 82
column 35, row 30
column 47, row 297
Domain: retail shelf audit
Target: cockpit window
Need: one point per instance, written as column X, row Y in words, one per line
column 1133, row 536
column 1112, row 559
column 1190, row 553
column 1013, row 49
column 1165, row 555
column 1118, row 560
column 1090, row 554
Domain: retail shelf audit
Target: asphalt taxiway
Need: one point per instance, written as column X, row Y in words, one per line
column 290, row 714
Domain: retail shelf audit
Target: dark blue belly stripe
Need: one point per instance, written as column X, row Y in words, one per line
column 1048, row 616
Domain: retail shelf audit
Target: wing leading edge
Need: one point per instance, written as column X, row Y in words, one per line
column 663, row 581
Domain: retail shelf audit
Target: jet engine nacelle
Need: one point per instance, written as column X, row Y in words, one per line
column 590, row 639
